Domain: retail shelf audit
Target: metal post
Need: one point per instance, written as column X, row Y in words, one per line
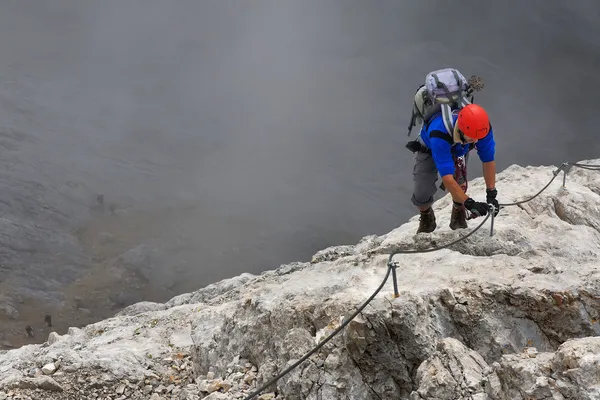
column 393, row 267
column 566, row 169
column 492, row 224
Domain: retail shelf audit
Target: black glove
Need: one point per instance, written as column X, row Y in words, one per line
column 491, row 199
column 476, row 207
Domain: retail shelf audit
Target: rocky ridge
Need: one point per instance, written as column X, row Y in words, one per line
column 509, row 316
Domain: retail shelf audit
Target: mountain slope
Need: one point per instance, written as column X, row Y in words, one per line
column 514, row 315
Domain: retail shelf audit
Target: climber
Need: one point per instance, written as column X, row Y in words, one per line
column 448, row 154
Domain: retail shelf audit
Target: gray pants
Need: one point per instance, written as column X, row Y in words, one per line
column 425, row 176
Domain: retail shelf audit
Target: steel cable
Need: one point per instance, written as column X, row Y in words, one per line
column 322, row 343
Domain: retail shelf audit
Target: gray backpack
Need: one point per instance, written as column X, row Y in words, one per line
column 444, row 90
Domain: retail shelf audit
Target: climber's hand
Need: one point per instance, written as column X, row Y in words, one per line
column 476, row 207
column 491, row 199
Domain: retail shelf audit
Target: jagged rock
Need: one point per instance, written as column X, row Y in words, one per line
column 139, row 308
column 120, row 389
column 212, row 385
column 217, row 396
column 514, row 315
column 334, row 253
column 49, row 369
column 7, row 308
column 190, row 392
column 452, row 371
column 41, row 382
column 572, row 372
column 53, row 337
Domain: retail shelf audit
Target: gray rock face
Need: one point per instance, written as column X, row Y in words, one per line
column 509, row 316
column 569, row 373
column 7, row 308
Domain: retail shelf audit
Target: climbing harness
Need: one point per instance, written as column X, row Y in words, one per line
column 565, row 168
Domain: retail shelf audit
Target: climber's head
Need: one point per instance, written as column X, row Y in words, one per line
column 472, row 124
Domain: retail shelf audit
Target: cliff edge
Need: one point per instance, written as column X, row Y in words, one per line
column 510, row 316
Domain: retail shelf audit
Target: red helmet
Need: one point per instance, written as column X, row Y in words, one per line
column 473, row 121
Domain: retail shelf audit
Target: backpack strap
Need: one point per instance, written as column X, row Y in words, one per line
column 443, row 136
column 447, row 138
column 447, row 112
column 447, row 117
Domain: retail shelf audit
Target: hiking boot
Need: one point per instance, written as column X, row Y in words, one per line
column 427, row 221
column 458, row 219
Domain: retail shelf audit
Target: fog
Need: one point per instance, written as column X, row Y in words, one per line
column 281, row 123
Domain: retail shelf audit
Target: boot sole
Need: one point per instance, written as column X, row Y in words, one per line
column 458, row 227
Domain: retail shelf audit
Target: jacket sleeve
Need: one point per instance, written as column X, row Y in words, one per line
column 486, row 147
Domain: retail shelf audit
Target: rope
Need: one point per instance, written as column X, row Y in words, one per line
column 586, row 166
column 516, row 203
column 564, row 167
column 460, row 239
column 583, row 165
column 391, row 268
column 322, row 343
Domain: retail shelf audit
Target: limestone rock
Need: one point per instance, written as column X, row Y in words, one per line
column 53, row 337
column 49, row 369
column 41, row 382
column 572, row 372
column 141, row 307
column 453, row 371
column 217, row 396
column 509, row 316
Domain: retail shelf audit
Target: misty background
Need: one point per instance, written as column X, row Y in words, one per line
column 235, row 136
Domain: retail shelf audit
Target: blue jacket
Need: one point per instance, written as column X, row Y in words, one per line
column 443, row 152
